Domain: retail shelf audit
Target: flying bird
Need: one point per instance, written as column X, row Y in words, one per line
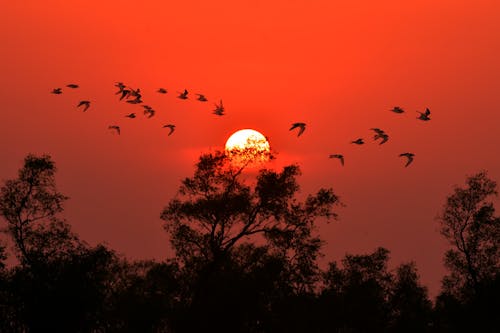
column 120, row 86
column 219, row 109
column 131, row 115
column 397, row 109
column 424, row 115
column 302, row 127
column 162, row 91
column 339, row 156
column 125, row 93
column 183, row 95
column 358, row 141
column 409, row 156
column 56, row 91
column 72, row 86
column 86, row 105
column 136, row 100
column 114, row 127
column 149, row 112
column 380, row 134
column 201, row 98
column 171, row 127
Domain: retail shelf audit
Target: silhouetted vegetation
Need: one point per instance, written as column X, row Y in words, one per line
column 246, row 260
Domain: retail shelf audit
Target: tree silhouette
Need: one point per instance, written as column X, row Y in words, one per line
column 359, row 289
column 29, row 202
column 62, row 283
column 470, row 299
column 216, row 212
column 469, row 224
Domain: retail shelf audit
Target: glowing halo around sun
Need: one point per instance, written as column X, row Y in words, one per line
column 247, row 146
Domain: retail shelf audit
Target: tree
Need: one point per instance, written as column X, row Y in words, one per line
column 356, row 293
column 470, row 298
column 61, row 282
column 410, row 306
column 217, row 211
column 29, row 204
column 468, row 223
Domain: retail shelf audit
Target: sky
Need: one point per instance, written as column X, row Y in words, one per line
column 338, row 66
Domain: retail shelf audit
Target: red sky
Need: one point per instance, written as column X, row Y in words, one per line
column 339, row 66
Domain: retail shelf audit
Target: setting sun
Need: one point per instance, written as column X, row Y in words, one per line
column 248, row 145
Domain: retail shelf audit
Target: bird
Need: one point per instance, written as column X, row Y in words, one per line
column 397, row 109
column 115, row 127
column 56, row 91
column 424, row 115
column 219, row 109
column 121, row 87
column 72, row 86
column 339, row 156
column 86, row 105
column 149, row 112
column 201, row 98
column 162, row 91
column 136, row 100
column 183, row 95
column 302, row 127
column 131, row 115
column 409, row 156
column 147, row 107
column 358, row 141
column 125, row 93
column 380, row 135
column 135, row 93
column 171, row 127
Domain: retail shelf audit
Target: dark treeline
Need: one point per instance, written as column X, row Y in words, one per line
column 246, row 261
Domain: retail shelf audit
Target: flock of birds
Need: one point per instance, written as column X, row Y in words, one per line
column 134, row 96
column 378, row 135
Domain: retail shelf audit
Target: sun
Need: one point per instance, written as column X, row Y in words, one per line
column 248, row 146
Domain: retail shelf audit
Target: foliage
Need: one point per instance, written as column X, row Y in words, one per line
column 469, row 224
column 29, row 201
column 215, row 210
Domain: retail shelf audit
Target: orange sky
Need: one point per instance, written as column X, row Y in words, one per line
column 339, row 66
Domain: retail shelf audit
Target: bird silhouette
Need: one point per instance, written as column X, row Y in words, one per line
column 380, row 134
column 162, row 91
column 136, row 100
column 72, row 86
column 85, row 104
column 149, row 112
column 219, row 109
column 358, row 141
column 171, row 127
column 302, row 127
column 201, row 98
column 120, row 86
column 131, row 115
column 125, row 93
column 339, row 156
column 56, row 91
column 409, row 156
column 424, row 115
column 115, row 127
column 135, row 93
column 183, row 95
column 397, row 109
